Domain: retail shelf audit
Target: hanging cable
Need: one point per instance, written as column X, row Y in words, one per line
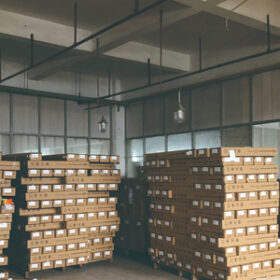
column 232, row 10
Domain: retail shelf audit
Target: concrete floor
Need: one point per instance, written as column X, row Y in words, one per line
column 123, row 268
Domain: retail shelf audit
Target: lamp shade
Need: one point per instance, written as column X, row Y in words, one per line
column 102, row 125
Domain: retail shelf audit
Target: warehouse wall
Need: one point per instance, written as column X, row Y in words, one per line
column 220, row 114
column 48, row 125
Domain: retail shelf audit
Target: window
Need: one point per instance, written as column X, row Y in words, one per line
column 268, row 135
column 25, row 144
column 155, row 144
column 100, row 147
column 77, row 145
column 207, row 139
column 179, row 142
column 52, row 145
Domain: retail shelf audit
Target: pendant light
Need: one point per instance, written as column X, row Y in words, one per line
column 102, row 125
column 179, row 115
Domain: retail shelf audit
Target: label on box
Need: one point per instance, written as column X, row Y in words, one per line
column 160, row 237
column 208, row 187
column 31, row 203
column 70, row 171
column 217, row 169
column 57, row 187
column 69, row 216
column 33, row 219
column 205, row 221
column 229, row 232
column 208, row 257
column 243, row 249
column 3, row 225
column 197, row 254
column 68, row 187
column 35, row 250
column 252, row 212
column 230, row 250
column 253, row 247
column 90, row 186
column 266, row 264
column 97, row 254
column 70, row 260
column 195, row 203
column 48, row 232
column 71, row 246
column 83, row 229
column 218, row 187
column 228, row 214
column 247, row 159
column 103, row 228
column 261, row 176
column 228, row 178
column 81, row 186
column 31, row 187
column 203, row 238
column 45, row 218
column 91, row 200
column 263, row 211
column 167, row 223
column 58, row 262
column 207, row 203
column 69, row 200
column 33, row 172
column 218, row 204
column 205, row 169
column 46, row 202
column 59, row 232
column 195, row 169
column 114, row 227
column 46, row 172
column 2, row 260
column 80, row 200
column 36, row 234
column 59, row 247
column 81, row 171
column 71, row 156
column 271, row 176
column 277, row 262
column 34, row 265
column 256, row 265
column 198, row 186
column 251, row 229
column 252, row 194
column 263, row 193
column 216, row 222
column 273, row 210
column 81, row 216
column 58, row 171
column 47, row 249
column 240, row 230
column 72, row 231
column 8, row 173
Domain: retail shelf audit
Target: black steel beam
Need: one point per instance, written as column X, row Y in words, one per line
column 75, row 21
column 268, row 33
column 31, row 50
column 149, row 71
column 92, row 36
column 0, row 65
column 217, row 66
column 47, row 94
column 200, row 53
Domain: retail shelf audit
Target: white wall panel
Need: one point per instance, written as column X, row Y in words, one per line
column 77, row 119
column 4, row 112
column 52, row 116
column 25, row 114
column 76, row 145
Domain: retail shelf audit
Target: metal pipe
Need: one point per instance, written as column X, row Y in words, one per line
column 268, row 33
column 31, row 49
column 0, row 65
column 194, row 73
column 75, row 22
column 200, row 53
column 92, row 36
column 109, row 82
column 149, row 71
column 136, row 9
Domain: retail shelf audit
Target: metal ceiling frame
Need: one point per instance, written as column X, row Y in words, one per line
column 75, row 44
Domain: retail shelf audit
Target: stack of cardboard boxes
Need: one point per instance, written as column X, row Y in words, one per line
column 64, row 215
column 8, row 171
column 232, row 202
column 133, row 211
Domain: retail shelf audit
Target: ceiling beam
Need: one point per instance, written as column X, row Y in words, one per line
column 139, row 52
column 120, row 35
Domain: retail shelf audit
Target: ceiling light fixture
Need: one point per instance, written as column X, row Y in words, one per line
column 179, row 115
column 102, row 125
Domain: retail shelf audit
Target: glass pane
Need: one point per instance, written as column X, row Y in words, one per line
column 132, row 164
column 155, row 144
column 207, row 139
column 135, row 147
column 100, row 147
column 76, row 145
column 179, row 142
column 4, row 112
column 77, row 119
column 268, row 135
column 25, row 144
column 52, row 116
column 25, row 114
column 52, row 145
column 5, row 144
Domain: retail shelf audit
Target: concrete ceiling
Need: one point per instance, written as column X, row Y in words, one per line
column 184, row 22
